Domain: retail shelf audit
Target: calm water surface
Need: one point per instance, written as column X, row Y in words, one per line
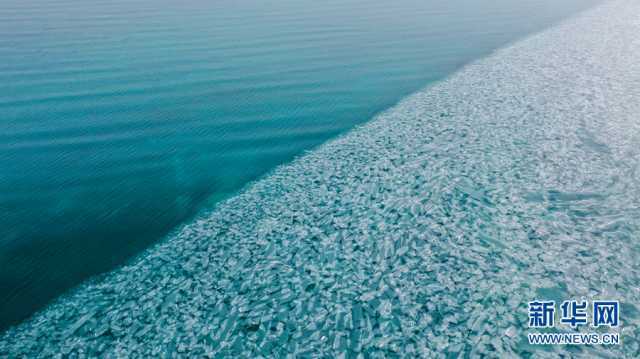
column 120, row 119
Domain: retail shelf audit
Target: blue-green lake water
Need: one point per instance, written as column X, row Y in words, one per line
column 121, row 119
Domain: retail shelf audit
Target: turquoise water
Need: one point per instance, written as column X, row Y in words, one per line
column 121, row 119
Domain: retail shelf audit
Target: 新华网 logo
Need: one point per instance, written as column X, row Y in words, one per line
column 573, row 313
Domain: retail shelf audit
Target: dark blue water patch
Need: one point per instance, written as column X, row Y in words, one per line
column 121, row 119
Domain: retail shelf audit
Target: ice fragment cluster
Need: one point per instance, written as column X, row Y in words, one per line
column 423, row 233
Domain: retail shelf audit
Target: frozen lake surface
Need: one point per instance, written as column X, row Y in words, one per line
column 122, row 119
column 424, row 232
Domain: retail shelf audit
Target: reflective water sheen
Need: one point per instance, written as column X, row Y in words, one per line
column 120, row 119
